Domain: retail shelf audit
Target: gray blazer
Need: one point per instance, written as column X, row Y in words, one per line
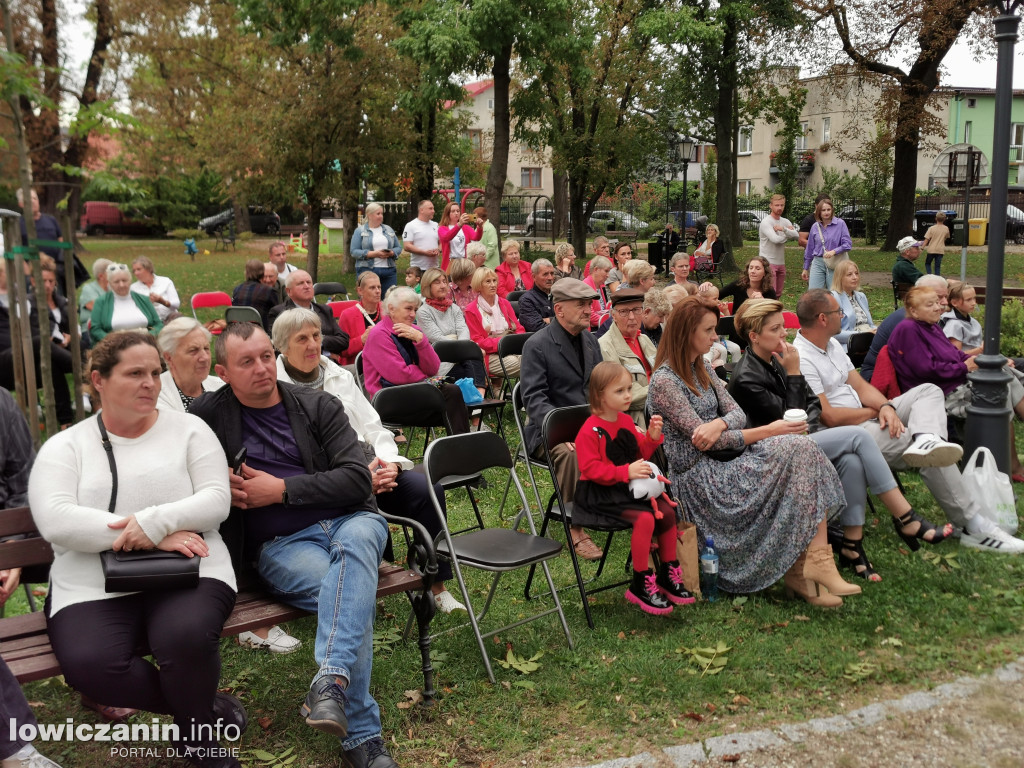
column 551, row 376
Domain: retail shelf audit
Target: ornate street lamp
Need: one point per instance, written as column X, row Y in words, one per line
column 988, row 415
column 685, row 149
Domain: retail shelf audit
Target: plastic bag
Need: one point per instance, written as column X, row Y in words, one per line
column 983, row 481
column 470, row 394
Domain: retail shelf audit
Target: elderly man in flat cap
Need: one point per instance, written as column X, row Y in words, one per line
column 555, row 373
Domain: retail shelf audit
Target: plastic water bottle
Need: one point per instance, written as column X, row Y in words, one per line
column 709, row 570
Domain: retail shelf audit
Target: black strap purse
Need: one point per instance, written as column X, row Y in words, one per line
column 142, row 570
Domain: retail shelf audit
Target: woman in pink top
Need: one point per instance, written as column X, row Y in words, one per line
column 454, row 232
column 599, row 269
column 489, row 318
column 513, row 273
column 398, row 352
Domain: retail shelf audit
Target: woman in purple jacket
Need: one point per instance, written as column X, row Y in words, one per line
column 398, row 352
column 922, row 354
column 829, row 238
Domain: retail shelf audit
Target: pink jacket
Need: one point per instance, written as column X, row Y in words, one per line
column 507, row 280
column 381, row 359
column 475, row 323
column 447, row 234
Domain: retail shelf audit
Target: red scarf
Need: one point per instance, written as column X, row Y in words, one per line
column 441, row 305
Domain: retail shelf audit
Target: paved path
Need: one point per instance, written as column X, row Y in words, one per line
column 973, row 721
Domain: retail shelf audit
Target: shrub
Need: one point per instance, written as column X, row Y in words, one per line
column 182, row 234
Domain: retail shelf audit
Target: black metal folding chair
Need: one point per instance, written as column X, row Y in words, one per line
column 519, row 416
column 857, row 347
column 462, row 350
column 507, row 346
column 705, row 272
column 514, row 295
column 243, row 315
column 496, row 550
column 331, row 290
column 422, row 405
column 561, row 425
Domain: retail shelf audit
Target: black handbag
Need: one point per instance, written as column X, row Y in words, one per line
column 142, row 570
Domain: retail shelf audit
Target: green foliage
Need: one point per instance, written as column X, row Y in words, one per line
column 788, row 108
column 876, row 165
column 521, row 664
column 1011, row 339
column 709, row 188
column 710, row 661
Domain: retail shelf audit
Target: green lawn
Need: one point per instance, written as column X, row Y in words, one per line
column 631, row 684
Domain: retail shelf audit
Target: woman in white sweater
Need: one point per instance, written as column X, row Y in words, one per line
column 171, row 494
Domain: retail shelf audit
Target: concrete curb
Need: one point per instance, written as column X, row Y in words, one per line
column 735, row 744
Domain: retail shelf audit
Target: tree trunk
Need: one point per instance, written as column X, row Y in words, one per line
column 349, row 209
column 560, row 200
column 498, row 171
column 426, row 130
column 577, row 201
column 725, row 205
column 315, row 201
column 241, row 208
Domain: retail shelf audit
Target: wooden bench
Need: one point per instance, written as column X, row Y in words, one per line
column 622, row 235
column 1008, row 293
column 25, row 645
column 292, row 229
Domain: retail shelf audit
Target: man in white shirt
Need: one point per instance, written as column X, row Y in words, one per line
column 910, row 430
column 774, row 232
column 420, row 238
column 279, row 258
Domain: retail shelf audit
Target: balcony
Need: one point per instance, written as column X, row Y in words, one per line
column 804, row 157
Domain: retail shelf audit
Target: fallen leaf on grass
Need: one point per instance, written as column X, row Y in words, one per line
column 740, row 699
column 621, row 635
column 695, row 716
column 710, row 707
column 411, row 697
column 730, row 758
column 801, row 618
column 265, row 723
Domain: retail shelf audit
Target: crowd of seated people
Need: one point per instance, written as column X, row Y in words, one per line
column 763, row 486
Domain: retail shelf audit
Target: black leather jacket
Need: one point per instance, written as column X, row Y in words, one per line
column 764, row 391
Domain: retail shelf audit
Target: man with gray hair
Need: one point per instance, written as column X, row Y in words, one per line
column 535, row 307
column 299, row 288
column 938, row 284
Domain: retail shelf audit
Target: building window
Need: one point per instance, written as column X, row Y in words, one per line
column 826, row 129
column 972, row 103
column 1017, row 143
column 475, row 139
column 746, row 139
column 801, row 139
column 530, row 178
column 490, row 104
column 743, row 187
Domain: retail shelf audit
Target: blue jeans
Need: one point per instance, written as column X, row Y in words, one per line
column 388, row 276
column 330, row 568
column 935, row 258
column 820, row 276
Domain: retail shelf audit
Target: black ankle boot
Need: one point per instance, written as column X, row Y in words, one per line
column 670, row 582
column 644, row 593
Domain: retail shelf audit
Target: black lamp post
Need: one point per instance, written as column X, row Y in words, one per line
column 988, row 415
column 685, row 147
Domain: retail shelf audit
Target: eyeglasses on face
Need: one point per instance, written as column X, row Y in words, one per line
column 624, row 311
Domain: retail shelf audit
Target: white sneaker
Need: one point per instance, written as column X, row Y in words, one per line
column 996, row 540
column 932, row 451
column 446, row 602
column 277, row 641
column 28, row 757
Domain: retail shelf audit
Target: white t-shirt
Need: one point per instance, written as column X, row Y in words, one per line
column 127, row 315
column 827, row 371
column 282, row 274
column 379, row 243
column 422, row 234
column 458, row 245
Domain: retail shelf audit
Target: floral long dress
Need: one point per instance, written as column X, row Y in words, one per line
column 763, row 507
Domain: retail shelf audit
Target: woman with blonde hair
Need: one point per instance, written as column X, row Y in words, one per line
column 767, row 382
column 856, row 315
column 440, row 318
column 376, row 248
column 710, row 251
column 638, row 274
column 565, row 262
column 460, row 280
column 513, row 273
column 489, row 318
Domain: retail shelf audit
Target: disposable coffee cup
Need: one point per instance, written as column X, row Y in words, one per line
column 796, row 415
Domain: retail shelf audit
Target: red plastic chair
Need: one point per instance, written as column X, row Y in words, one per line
column 210, row 300
column 790, row 320
column 337, row 307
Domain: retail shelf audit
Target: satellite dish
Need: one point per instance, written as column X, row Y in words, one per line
column 951, row 165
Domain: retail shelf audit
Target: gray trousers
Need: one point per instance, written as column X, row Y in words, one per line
column 922, row 409
column 13, row 709
column 860, row 465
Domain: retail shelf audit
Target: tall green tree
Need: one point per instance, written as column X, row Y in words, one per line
column 875, row 35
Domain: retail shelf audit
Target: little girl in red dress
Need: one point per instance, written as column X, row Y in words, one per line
column 611, row 451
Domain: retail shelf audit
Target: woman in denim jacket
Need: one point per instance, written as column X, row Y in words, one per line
column 375, row 247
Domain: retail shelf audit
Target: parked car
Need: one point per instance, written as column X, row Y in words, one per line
column 261, row 221
column 542, row 221
column 616, row 220
column 854, row 218
column 750, row 221
column 1014, row 226
column 101, row 218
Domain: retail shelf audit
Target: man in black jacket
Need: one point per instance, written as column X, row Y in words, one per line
column 299, row 287
column 305, row 495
